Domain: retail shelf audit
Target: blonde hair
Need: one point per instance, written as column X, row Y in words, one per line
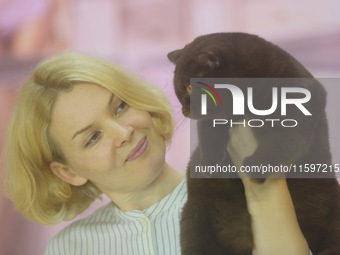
column 30, row 184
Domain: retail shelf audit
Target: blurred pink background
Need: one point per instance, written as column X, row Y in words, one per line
column 137, row 34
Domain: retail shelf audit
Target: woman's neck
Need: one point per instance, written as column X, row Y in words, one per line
column 166, row 182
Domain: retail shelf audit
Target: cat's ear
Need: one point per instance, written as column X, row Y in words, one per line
column 208, row 59
column 174, row 55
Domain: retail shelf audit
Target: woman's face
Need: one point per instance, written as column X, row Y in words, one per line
column 105, row 141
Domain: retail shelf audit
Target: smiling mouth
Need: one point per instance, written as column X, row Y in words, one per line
column 138, row 150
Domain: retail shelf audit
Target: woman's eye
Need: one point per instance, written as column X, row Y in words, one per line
column 121, row 106
column 93, row 139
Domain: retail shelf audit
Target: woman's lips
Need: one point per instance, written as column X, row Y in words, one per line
column 138, row 150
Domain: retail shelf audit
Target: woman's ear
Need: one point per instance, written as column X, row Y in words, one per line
column 67, row 174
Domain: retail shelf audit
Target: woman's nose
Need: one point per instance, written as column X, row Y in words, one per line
column 121, row 133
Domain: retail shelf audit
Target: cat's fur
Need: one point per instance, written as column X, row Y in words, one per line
column 215, row 219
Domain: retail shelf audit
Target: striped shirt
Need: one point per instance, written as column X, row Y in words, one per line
column 110, row 231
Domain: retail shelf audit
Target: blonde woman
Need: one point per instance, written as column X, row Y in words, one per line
column 83, row 127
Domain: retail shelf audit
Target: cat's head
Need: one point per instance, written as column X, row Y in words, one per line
column 219, row 55
column 229, row 55
column 195, row 60
column 197, row 66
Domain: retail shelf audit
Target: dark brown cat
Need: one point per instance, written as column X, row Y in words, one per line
column 215, row 220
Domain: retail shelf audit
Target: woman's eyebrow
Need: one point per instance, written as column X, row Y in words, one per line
column 91, row 125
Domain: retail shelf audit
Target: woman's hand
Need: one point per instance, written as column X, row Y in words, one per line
column 274, row 222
